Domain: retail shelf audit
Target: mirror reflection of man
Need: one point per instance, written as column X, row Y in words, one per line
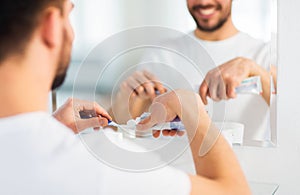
column 238, row 56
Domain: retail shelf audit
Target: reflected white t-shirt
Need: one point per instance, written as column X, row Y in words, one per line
column 39, row 155
column 182, row 63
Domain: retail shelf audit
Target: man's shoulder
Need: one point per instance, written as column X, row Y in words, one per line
column 180, row 41
column 33, row 125
column 245, row 38
column 39, row 150
column 41, row 136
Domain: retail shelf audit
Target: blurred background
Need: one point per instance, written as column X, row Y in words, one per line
column 96, row 20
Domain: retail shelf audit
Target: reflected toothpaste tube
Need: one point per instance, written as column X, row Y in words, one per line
column 251, row 85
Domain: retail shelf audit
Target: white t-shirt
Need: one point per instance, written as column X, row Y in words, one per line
column 184, row 62
column 41, row 156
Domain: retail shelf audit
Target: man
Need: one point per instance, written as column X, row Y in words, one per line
column 237, row 56
column 39, row 155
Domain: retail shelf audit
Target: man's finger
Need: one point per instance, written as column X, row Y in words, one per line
column 103, row 121
column 203, row 91
column 149, row 89
column 166, row 132
column 173, row 133
column 92, row 110
column 147, row 123
column 180, row 133
column 231, row 90
column 156, row 134
column 213, row 90
column 83, row 124
column 135, row 85
column 148, row 86
column 101, row 111
column 157, row 84
column 129, row 92
column 222, row 95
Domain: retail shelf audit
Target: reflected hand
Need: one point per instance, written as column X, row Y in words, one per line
column 220, row 83
column 135, row 95
column 69, row 115
column 142, row 84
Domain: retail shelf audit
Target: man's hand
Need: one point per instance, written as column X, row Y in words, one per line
column 142, row 84
column 135, row 95
column 212, row 167
column 182, row 103
column 220, row 83
column 163, row 109
column 69, row 115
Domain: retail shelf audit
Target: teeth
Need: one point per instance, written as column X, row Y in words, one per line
column 207, row 11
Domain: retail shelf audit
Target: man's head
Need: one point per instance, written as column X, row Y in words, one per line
column 42, row 23
column 210, row 15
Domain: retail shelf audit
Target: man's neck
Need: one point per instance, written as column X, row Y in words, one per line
column 226, row 31
column 20, row 92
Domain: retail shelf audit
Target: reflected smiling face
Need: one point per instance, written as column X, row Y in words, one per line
column 210, row 15
column 66, row 47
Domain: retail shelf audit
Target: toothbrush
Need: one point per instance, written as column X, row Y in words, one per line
column 86, row 114
column 112, row 123
column 176, row 124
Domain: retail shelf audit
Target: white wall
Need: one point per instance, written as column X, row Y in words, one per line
column 281, row 165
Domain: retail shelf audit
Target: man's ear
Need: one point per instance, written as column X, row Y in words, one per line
column 51, row 28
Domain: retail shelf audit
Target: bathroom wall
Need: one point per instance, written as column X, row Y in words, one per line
column 281, row 165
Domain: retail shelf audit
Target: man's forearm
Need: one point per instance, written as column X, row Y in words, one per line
column 218, row 168
column 216, row 165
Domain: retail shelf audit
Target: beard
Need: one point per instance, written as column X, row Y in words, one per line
column 212, row 28
column 58, row 80
column 217, row 26
column 63, row 63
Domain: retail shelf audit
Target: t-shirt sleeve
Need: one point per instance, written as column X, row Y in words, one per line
column 265, row 56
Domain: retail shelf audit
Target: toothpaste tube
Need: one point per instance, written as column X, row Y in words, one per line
column 250, row 85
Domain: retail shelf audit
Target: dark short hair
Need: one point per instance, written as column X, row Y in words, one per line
column 18, row 20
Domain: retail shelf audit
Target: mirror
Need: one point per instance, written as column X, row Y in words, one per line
column 100, row 72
